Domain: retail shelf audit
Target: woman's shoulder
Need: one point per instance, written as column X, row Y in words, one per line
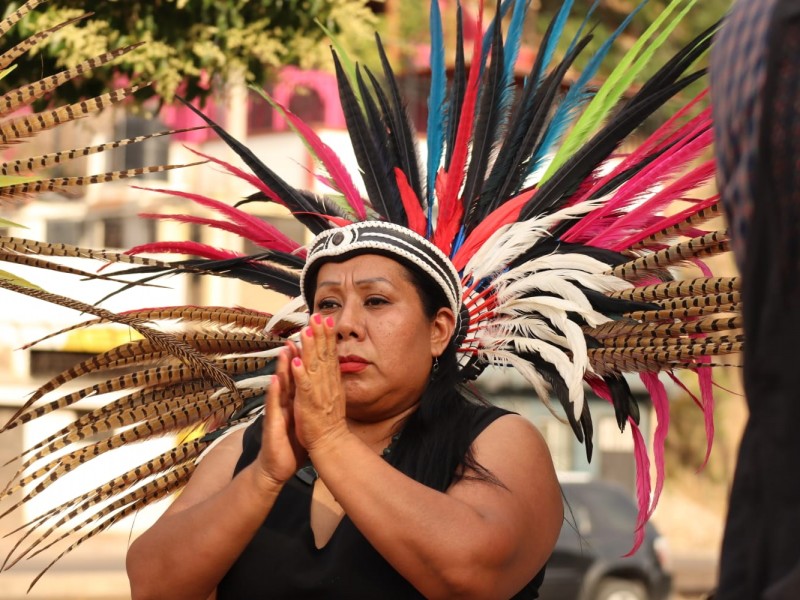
column 510, row 434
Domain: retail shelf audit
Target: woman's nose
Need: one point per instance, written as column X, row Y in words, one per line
column 348, row 322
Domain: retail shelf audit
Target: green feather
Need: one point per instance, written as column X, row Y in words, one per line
column 16, row 179
column 7, row 223
column 5, row 72
column 348, row 65
column 609, row 94
column 16, row 280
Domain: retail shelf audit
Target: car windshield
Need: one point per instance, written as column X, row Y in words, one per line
column 600, row 508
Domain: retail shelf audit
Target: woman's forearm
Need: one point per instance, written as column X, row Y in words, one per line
column 478, row 540
column 426, row 535
column 187, row 553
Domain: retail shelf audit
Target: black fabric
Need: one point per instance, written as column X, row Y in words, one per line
column 282, row 561
column 761, row 550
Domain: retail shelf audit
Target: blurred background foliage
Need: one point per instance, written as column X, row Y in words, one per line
column 189, row 42
column 195, row 45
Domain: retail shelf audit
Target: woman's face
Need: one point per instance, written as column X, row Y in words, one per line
column 386, row 343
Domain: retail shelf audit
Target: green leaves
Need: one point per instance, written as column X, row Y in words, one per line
column 195, row 41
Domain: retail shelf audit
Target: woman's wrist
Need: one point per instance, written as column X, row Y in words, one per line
column 331, row 439
column 264, row 484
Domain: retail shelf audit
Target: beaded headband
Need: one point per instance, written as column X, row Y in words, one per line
column 378, row 237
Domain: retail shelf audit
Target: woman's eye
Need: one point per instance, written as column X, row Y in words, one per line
column 326, row 305
column 376, row 301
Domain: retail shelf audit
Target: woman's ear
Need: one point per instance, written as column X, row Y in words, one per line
column 442, row 328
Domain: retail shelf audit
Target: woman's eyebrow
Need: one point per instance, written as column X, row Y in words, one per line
column 359, row 283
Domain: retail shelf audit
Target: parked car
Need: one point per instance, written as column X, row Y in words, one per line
column 588, row 562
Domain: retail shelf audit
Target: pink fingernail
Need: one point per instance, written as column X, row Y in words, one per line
column 309, row 332
column 329, row 321
column 317, row 318
column 297, row 362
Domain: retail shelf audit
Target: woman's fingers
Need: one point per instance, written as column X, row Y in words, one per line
column 319, row 405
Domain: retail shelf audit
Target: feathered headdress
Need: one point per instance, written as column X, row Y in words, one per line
column 551, row 242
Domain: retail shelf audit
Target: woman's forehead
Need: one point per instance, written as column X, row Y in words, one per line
column 363, row 267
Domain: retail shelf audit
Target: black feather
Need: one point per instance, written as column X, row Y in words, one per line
column 486, row 128
column 303, row 211
column 520, row 118
column 677, row 65
column 386, row 159
column 381, row 191
column 402, row 131
column 510, row 169
column 457, row 91
column 588, row 430
column 568, row 178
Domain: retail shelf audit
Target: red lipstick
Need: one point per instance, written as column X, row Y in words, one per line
column 352, row 364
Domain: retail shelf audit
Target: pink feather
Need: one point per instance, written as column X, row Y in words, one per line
column 658, row 394
column 667, row 222
column 249, row 177
column 450, row 209
column 642, row 485
column 668, row 133
column 193, row 248
column 633, row 220
column 686, row 136
column 704, row 268
column 659, row 170
column 656, row 141
column 250, row 227
column 600, row 388
column 338, row 172
column 707, row 396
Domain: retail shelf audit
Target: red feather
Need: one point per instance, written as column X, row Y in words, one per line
column 339, row 174
column 417, row 222
column 450, row 208
column 507, row 213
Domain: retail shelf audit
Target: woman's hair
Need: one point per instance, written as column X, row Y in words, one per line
column 435, row 443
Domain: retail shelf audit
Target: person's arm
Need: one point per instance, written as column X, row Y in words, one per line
column 187, row 552
column 477, row 540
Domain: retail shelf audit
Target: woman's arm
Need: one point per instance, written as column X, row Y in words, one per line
column 187, row 552
column 477, row 540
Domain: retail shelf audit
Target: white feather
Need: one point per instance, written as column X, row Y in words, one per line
column 292, row 312
column 509, row 241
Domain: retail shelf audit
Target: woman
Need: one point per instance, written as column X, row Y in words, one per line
column 465, row 504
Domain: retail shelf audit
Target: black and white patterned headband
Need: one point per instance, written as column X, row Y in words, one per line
column 388, row 239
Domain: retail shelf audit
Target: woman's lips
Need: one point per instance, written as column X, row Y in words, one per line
column 352, row 364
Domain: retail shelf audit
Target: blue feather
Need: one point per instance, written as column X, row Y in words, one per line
column 514, row 38
column 558, row 28
column 436, row 102
column 585, row 22
column 488, row 36
column 577, row 96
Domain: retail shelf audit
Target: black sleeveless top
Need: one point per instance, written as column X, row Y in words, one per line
column 282, row 560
